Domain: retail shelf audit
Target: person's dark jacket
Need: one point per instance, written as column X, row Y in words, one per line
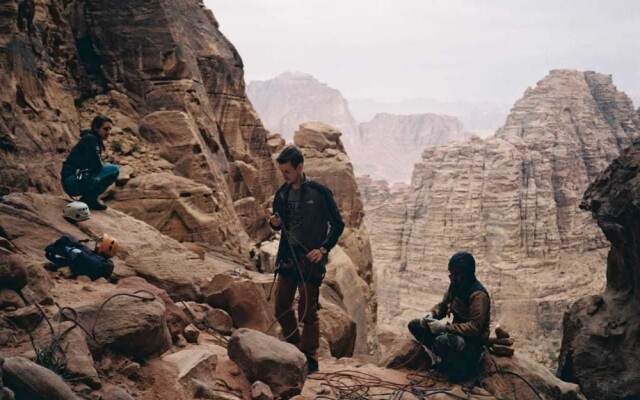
column 85, row 155
column 471, row 312
column 322, row 224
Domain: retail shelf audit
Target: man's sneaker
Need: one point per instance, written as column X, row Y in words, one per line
column 94, row 204
column 312, row 364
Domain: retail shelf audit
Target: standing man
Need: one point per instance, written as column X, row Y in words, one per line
column 83, row 173
column 456, row 346
column 311, row 224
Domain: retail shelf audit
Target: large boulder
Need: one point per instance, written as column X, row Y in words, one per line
column 336, row 326
column 30, row 381
column 356, row 296
column 601, row 338
column 243, row 299
column 176, row 318
column 136, row 327
column 264, row 358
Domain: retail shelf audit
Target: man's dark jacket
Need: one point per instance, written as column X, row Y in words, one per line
column 321, row 222
column 85, row 155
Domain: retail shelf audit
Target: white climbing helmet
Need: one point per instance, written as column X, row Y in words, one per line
column 77, row 211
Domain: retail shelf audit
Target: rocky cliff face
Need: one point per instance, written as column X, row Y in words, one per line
column 172, row 83
column 292, row 98
column 600, row 345
column 390, row 144
column 512, row 200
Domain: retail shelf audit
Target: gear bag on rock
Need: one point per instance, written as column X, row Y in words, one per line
column 68, row 251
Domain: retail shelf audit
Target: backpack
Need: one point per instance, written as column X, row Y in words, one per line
column 68, row 251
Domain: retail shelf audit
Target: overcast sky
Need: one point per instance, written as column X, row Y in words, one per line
column 447, row 50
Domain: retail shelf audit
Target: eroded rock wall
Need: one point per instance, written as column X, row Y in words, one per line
column 512, row 200
column 600, row 345
column 171, row 81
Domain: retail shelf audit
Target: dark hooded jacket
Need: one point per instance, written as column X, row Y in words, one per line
column 471, row 309
column 322, row 224
column 85, row 155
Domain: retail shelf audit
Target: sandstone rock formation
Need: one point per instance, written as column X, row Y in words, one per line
column 33, row 221
column 172, row 83
column 193, row 149
column 600, row 345
column 291, row 98
column 512, row 200
column 350, row 264
column 391, row 144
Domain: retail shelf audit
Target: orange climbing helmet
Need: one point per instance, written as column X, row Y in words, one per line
column 107, row 246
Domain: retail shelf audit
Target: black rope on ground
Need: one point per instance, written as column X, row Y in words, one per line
column 357, row 385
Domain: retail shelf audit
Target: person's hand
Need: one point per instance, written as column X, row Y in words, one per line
column 424, row 321
column 315, row 256
column 436, row 327
column 274, row 220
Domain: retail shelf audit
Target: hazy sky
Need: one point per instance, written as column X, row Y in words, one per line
column 447, row 50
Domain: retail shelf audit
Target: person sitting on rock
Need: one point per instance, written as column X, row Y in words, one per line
column 311, row 224
column 456, row 347
column 83, row 173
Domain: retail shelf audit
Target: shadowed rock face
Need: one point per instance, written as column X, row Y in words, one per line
column 161, row 69
column 512, row 200
column 601, row 342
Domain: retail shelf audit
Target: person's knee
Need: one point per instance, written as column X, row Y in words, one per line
column 447, row 342
column 414, row 326
column 111, row 170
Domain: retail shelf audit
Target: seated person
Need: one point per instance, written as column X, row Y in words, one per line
column 456, row 347
column 83, row 173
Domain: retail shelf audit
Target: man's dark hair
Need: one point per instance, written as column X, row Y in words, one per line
column 99, row 121
column 291, row 154
column 464, row 262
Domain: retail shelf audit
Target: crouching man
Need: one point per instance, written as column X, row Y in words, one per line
column 456, row 347
column 83, row 173
column 307, row 215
